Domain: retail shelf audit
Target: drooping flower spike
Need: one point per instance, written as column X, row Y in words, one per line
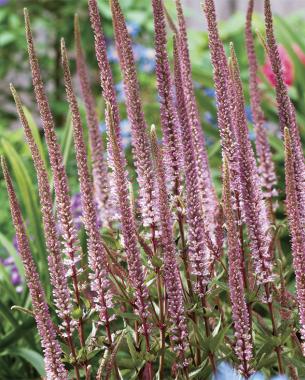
column 253, row 202
column 57, row 270
column 99, row 166
column 240, row 313
column 96, row 251
column 209, row 200
column 199, row 255
column 135, row 269
column 51, row 348
column 296, row 229
column 61, row 185
column 140, row 139
column 169, row 118
column 266, row 165
column 171, row 271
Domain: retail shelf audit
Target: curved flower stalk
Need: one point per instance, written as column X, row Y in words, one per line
column 51, row 348
column 209, row 199
column 253, row 202
column 99, row 166
column 198, row 253
column 63, row 202
column 135, row 269
column 296, row 229
column 97, row 255
column 56, row 268
column 108, row 89
column 266, row 165
column 243, row 347
column 287, row 115
column 171, row 271
column 140, row 140
column 169, row 118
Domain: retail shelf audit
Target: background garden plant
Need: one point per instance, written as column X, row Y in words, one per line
column 159, row 272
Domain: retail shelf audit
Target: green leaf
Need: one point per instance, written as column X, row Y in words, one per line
column 32, row 357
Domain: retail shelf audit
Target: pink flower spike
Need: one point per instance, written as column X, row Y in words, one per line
column 99, row 166
column 97, row 255
column 140, row 140
column 287, row 65
column 51, row 348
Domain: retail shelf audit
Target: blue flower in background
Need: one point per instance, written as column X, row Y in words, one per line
column 120, row 92
column 112, row 53
column 3, row 2
column 102, row 127
column 133, row 28
column 145, row 57
column 210, row 92
column 226, row 372
column 125, row 133
column 249, row 114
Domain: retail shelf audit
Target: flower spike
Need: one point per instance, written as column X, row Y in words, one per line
column 140, row 140
column 199, row 254
column 57, row 271
column 61, row 185
column 296, row 229
column 169, row 117
column 171, row 270
column 99, row 167
column 266, row 165
column 253, row 201
column 209, row 199
column 51, row 348
column 96, row 252
column 243, row 347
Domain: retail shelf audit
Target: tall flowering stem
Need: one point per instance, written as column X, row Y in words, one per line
column 99, row 166
column 97, row 255
column 52, row 351
column 243, row 347
column 255, row 211
column 107, row 83
column 63, row 202
column 266, row 165
column 296, row 229
column 287, row 115
column 140, row 140
column 253, row 202
column 171, row 271
column 169, row 118
column 207, row 191
column 199, row 255
column 57, row 271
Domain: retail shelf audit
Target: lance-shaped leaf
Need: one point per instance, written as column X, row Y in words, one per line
column 199, row 255
column 52, row 351
column 140, row 140
column 96, row 251
column 296, row 228
column 240, row 314
column 169, row 118
column 207, row 190
column 266, row 165
column 57, row 270
column 253, row 202
column 61, row 185
column 171, row 271
column 99, row 166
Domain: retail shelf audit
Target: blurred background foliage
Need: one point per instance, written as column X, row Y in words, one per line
column 52, row 20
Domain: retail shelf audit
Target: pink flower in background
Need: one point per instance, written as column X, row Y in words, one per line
column 299, row 52
column 287, row 65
